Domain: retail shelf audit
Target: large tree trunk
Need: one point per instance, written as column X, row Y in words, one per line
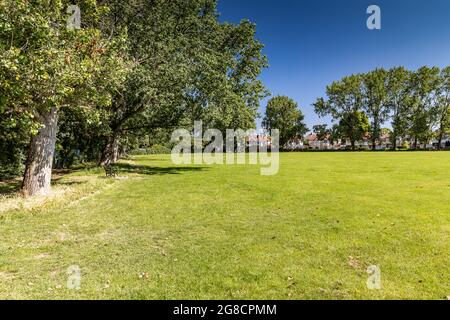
column 38, row 169
column 375, row 134
column 441, row 136
column 111, row 152
column 394, row 141
column 353, row 142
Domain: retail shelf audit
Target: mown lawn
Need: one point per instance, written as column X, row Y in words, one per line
column 226, row 232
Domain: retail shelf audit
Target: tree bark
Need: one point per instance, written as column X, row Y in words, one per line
column 38, row 168
column 111, row 152
column 441, row 136
column 376, row 133
column 353, row 142
column 394, row 141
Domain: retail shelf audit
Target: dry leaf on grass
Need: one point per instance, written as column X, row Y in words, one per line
column 353, row 262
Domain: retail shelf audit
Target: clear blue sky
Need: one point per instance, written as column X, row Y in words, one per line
column 311, row 43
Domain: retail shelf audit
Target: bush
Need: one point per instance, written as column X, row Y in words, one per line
column 12, row 163
column 156, row 149
column 138, row 152
column 404, row 146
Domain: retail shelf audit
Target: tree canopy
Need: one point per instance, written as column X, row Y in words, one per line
column 415, row 102
column 282, row 113
column 130, row 68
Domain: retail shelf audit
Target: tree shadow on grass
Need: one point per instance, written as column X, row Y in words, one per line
column 8, row 187
column 149, row 170
column 58, row 182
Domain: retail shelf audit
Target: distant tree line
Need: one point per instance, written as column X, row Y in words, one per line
column 415, row 103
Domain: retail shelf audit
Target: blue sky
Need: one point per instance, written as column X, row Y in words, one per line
column 311, row 43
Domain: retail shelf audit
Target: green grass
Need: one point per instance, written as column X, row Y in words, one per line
column 226, row 232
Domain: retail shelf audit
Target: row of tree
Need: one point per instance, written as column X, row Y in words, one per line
column 415, row 103
column 131, row 68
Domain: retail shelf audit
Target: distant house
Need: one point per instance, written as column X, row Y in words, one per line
column 260, row 140
column 295, row 144
column 312, row 142
column 445, row 143
column 384, row 142
column 316, row 144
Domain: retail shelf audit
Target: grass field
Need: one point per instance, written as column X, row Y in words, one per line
column 225, row 232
